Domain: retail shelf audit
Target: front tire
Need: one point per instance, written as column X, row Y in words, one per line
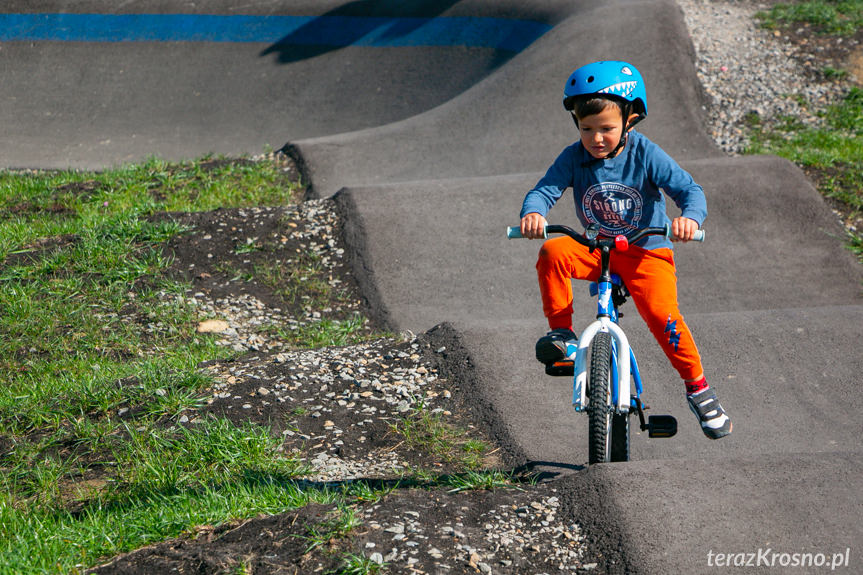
column 599, row 411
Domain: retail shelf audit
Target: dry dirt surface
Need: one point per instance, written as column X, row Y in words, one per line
column 411, row 531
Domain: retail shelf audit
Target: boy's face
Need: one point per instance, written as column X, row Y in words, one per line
column 600, row 133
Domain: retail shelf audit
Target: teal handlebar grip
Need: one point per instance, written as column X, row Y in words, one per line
column 514, row 232
column 699, row 234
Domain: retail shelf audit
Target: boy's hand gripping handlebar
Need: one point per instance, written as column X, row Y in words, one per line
column 514, row 232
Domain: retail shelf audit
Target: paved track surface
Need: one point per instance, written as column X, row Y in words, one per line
column 431, row 149
column 89, row 104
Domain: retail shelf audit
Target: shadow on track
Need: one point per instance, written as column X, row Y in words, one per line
column 547, row 470
column 350, row 22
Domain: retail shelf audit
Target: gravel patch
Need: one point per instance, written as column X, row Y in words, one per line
column 515, row 531
column 336, row 407
column 512, row 532
column 745, row 70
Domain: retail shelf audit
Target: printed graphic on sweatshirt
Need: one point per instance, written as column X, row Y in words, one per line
column 615, row 207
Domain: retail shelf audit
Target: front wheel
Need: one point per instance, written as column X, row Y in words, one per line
column 609, row 432
column 599, row 410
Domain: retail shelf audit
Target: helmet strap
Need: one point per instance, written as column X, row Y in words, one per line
column 613, row 152
column 627, row 126
column 619, row 146
column 626, row 111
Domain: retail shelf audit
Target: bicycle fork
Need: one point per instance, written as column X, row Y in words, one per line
column 656, row 425
column 624, row 383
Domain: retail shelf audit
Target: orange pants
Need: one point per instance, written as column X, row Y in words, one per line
column 652, row 282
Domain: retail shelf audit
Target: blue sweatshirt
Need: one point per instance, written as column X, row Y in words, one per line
column 621, row 194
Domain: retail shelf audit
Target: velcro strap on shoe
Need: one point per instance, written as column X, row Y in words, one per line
column 704, row 405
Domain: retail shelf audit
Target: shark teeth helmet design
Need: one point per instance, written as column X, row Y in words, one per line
column 613, row 78
column 623, row 89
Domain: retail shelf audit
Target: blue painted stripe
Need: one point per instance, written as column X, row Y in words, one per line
column 500, row 33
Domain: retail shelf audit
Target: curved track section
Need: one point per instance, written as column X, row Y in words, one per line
column 89, row 84
column 512, row 121
column 429, row 146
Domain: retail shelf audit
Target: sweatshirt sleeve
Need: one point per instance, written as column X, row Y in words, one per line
column 548, row 190
column 678, row 184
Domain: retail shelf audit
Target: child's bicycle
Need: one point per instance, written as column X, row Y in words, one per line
column 604, row 389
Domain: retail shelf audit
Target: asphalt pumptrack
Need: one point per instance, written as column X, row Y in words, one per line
column 428, row 124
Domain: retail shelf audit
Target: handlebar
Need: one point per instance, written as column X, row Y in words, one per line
column 514, row 232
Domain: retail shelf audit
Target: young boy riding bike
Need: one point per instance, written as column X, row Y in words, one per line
column 618, row 177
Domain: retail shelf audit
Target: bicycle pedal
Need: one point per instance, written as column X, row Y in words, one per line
column 661, row 426
column 560, row 368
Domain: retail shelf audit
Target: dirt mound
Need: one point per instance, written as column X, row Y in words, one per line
column 355, row 415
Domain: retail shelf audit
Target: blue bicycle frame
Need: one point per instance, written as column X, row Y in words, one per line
column 624, row 370
column 624, row 367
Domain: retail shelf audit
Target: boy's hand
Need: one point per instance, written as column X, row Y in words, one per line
column 683, row 229
column 533, row 226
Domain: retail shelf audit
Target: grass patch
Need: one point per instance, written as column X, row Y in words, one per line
column 843, row 17
column 476, row 480
column 301, row 279
column 84, row 296
column 51, row 204
column 357, row 564
column 99, row 357
column 430, row 432
column 328, row 332
column 43, row 539
column 338, row 526
column 832, row 154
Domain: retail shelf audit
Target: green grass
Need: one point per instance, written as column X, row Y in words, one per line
column 433, row 434
column 92, row 326
column 489, row 479
column 43, row 539
column 39, row 205
column 338, row 526
column 843, row 17
column 327, row 332
column 831, row 153
column 356, row 564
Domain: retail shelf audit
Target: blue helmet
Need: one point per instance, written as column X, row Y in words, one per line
column 611, row 78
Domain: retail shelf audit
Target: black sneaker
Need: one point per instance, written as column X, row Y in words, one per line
column 713, row 419
column 556, row 345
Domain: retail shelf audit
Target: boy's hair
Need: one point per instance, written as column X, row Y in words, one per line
column 591, row 104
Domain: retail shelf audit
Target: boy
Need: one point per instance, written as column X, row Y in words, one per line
column 618, row 177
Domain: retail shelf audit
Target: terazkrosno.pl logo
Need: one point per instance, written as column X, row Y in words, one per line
column 770, row 558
